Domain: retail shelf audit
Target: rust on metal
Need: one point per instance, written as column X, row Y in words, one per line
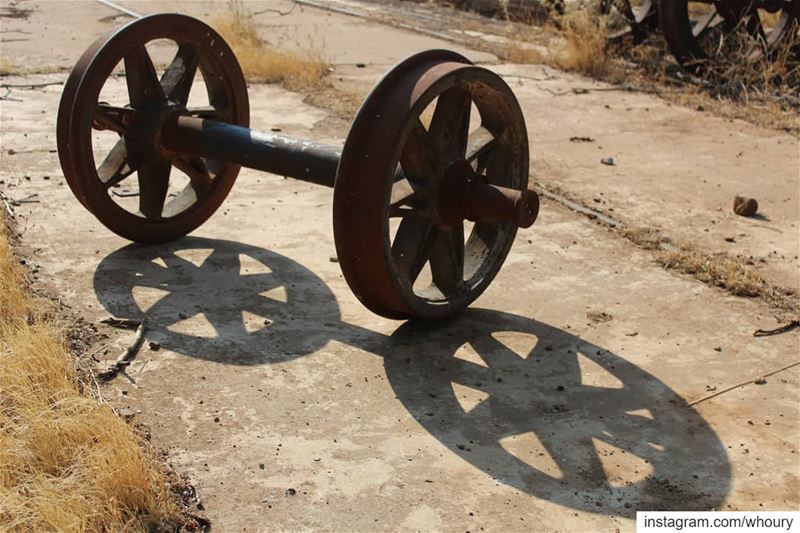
column 408, row 196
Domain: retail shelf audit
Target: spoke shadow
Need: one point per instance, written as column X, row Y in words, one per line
column 533, row 406
column 544, row 411
column 219, row 300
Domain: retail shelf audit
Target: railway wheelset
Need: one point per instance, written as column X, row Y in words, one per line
column 433, row 174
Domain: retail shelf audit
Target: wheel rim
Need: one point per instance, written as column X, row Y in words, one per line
column 725, row 31
column 392, row 157
column 161, row 213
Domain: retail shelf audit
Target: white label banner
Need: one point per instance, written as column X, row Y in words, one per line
column 717, row 522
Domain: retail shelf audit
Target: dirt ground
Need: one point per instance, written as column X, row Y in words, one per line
column 557, row 403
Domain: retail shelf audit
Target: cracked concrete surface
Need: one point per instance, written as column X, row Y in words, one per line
column 558, row 403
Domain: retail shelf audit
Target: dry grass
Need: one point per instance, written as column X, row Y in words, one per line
column 305, row 71
column 67, row 461
column 761, row 92
column 296, row 71
column 732, row 274
column 584, row 47
column 719, row 270
column 6, row 67
column 514, row 52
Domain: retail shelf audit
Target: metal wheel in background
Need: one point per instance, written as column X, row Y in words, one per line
column 637, row 18
column 104, row 139
column 702, row 34
column 434, row 120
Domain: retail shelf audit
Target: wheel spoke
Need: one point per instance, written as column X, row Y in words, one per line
column 412, row 246
column 450, row 123
column 195, row 168
column 153, row 185
column 479, row 142
column 143, row 85
column 447, row 259
column 108, row 117
column 418, row 159
column 178, row 78
column 754, row 26
column 115, row 167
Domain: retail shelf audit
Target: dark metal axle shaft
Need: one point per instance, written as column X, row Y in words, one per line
column 317, row 163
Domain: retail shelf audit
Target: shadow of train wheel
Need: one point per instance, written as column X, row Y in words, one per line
column 543, row 411
column 219, row 300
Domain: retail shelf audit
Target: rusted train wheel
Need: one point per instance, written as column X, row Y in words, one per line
column 431, row 120
column 163, row 203
column 701, row 34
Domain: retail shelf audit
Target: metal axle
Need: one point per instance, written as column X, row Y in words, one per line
column 317, row 163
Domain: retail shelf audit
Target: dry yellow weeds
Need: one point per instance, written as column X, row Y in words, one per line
column 295, row 71
column 584, row 47
column 720, row 270
column 67, row 461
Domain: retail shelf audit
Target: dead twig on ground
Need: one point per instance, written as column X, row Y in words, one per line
column 29, row 85
column 782, row 329
column 276, row 11
column 30, row 199
column 759, row 379
column 122, row 323
column 8, row 98
column 7, row 203
column 129, row 354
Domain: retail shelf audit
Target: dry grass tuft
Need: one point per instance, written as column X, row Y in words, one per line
column 719, row 270
column 67, row 461
column 647, row 238
column 6, row 67
column 584, row 47
column 296, row 71
column 522, row 54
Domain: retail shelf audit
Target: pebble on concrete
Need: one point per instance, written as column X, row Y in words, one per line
column 745, row 207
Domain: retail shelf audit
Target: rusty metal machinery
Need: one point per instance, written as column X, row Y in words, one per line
column 429, row 188
column 703, row 35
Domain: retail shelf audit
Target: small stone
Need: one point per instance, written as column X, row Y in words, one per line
column 333, row 259
column 183, row 316
column 154, row 345
column 360, row 65
column 216, row 419
column 745, row 207
column 261, row 466
column 608, row 161
column 560, row 388
column 760, row 381
column 291, row 492
column 717, row 348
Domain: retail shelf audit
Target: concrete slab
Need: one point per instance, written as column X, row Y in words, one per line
column 559, row 403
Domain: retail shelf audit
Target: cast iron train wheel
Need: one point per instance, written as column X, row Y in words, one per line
column 386, row 221
column 625, row 17
column 695, row 30
column 150, row 100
